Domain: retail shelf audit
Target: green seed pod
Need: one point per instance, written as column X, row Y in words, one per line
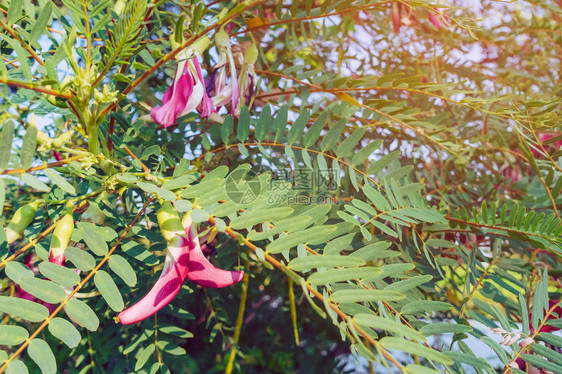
column 60, row 239
column 169, row 221
column 21, row 219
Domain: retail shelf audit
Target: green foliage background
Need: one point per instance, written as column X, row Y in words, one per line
column 441, row 144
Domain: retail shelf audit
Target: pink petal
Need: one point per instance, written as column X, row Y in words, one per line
column 233, row 83
column 165, row 289
column 201, row 271
column 176, row 97
column 437, row 20
column 198, row 90
column 57, row 259
column 206, row 107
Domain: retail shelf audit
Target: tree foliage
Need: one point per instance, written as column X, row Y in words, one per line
column 388, row 180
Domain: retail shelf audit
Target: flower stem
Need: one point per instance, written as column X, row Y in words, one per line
column 238, row 326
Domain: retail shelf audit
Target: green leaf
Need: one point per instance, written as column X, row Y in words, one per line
column 123, row 269
column 297, row 130
column 290, row 224
column 6, row 143
column 364, row 296
column 541, row 363
column 469, row 359
column 171, row 348
column 28, row 146
column 363, row 154
column 263, row 123
column 252, row 218
column 313, row 235
column 43, row 290
column 41, row 353
column 82, row 314
column 371, row 251
column 425, row 306
column 280, row 122
column 243, row 129
column 14, row 10
column 415, row 348
column 17, row 271
column 179, row 182
column 443, row 328
column 17, row 367
column 2, row 198
column 22, row 57
column 418, row 369
column 408, row 284
column 92, row 239
column 547, row 353
column 377, row 166
column 80, row 258
column 332, row 136
column 314, row 131
column 33, row 182
column 57, row 179
column 387, row 324
column 64, row 276
column 345, row 149
column 12, row 335
column 65, row 331
column 226, row 129
column 24, row 309
column 144, row 356
column 41, row 23
column 331, row 276
column 109, row 291
column 322, row 261
column 555, row 340
column 376, row 198
column 175, row 330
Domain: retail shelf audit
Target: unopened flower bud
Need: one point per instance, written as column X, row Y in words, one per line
column 525, row 342
column 251, row 55
column 222, row 39
column 21, row 219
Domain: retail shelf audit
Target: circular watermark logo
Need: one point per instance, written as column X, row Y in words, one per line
column 242, row 186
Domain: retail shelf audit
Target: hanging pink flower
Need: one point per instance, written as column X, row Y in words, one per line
column 184, row 259
column 201, row 271
column 223, row 92
column 186, row 93
column 550, row 148
column 438, row 19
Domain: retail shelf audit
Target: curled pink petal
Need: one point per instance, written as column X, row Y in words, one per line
column 201, row 271
column 166, row 288
column 176, row 97
column 206, row 107
column 436, row 20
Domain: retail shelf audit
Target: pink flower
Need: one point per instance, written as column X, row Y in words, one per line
column 537, row 152
column 167, row 286
column 186, row 93
column 184, row 259
column 223, row 92
column 201, row 271
column 439, row 20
